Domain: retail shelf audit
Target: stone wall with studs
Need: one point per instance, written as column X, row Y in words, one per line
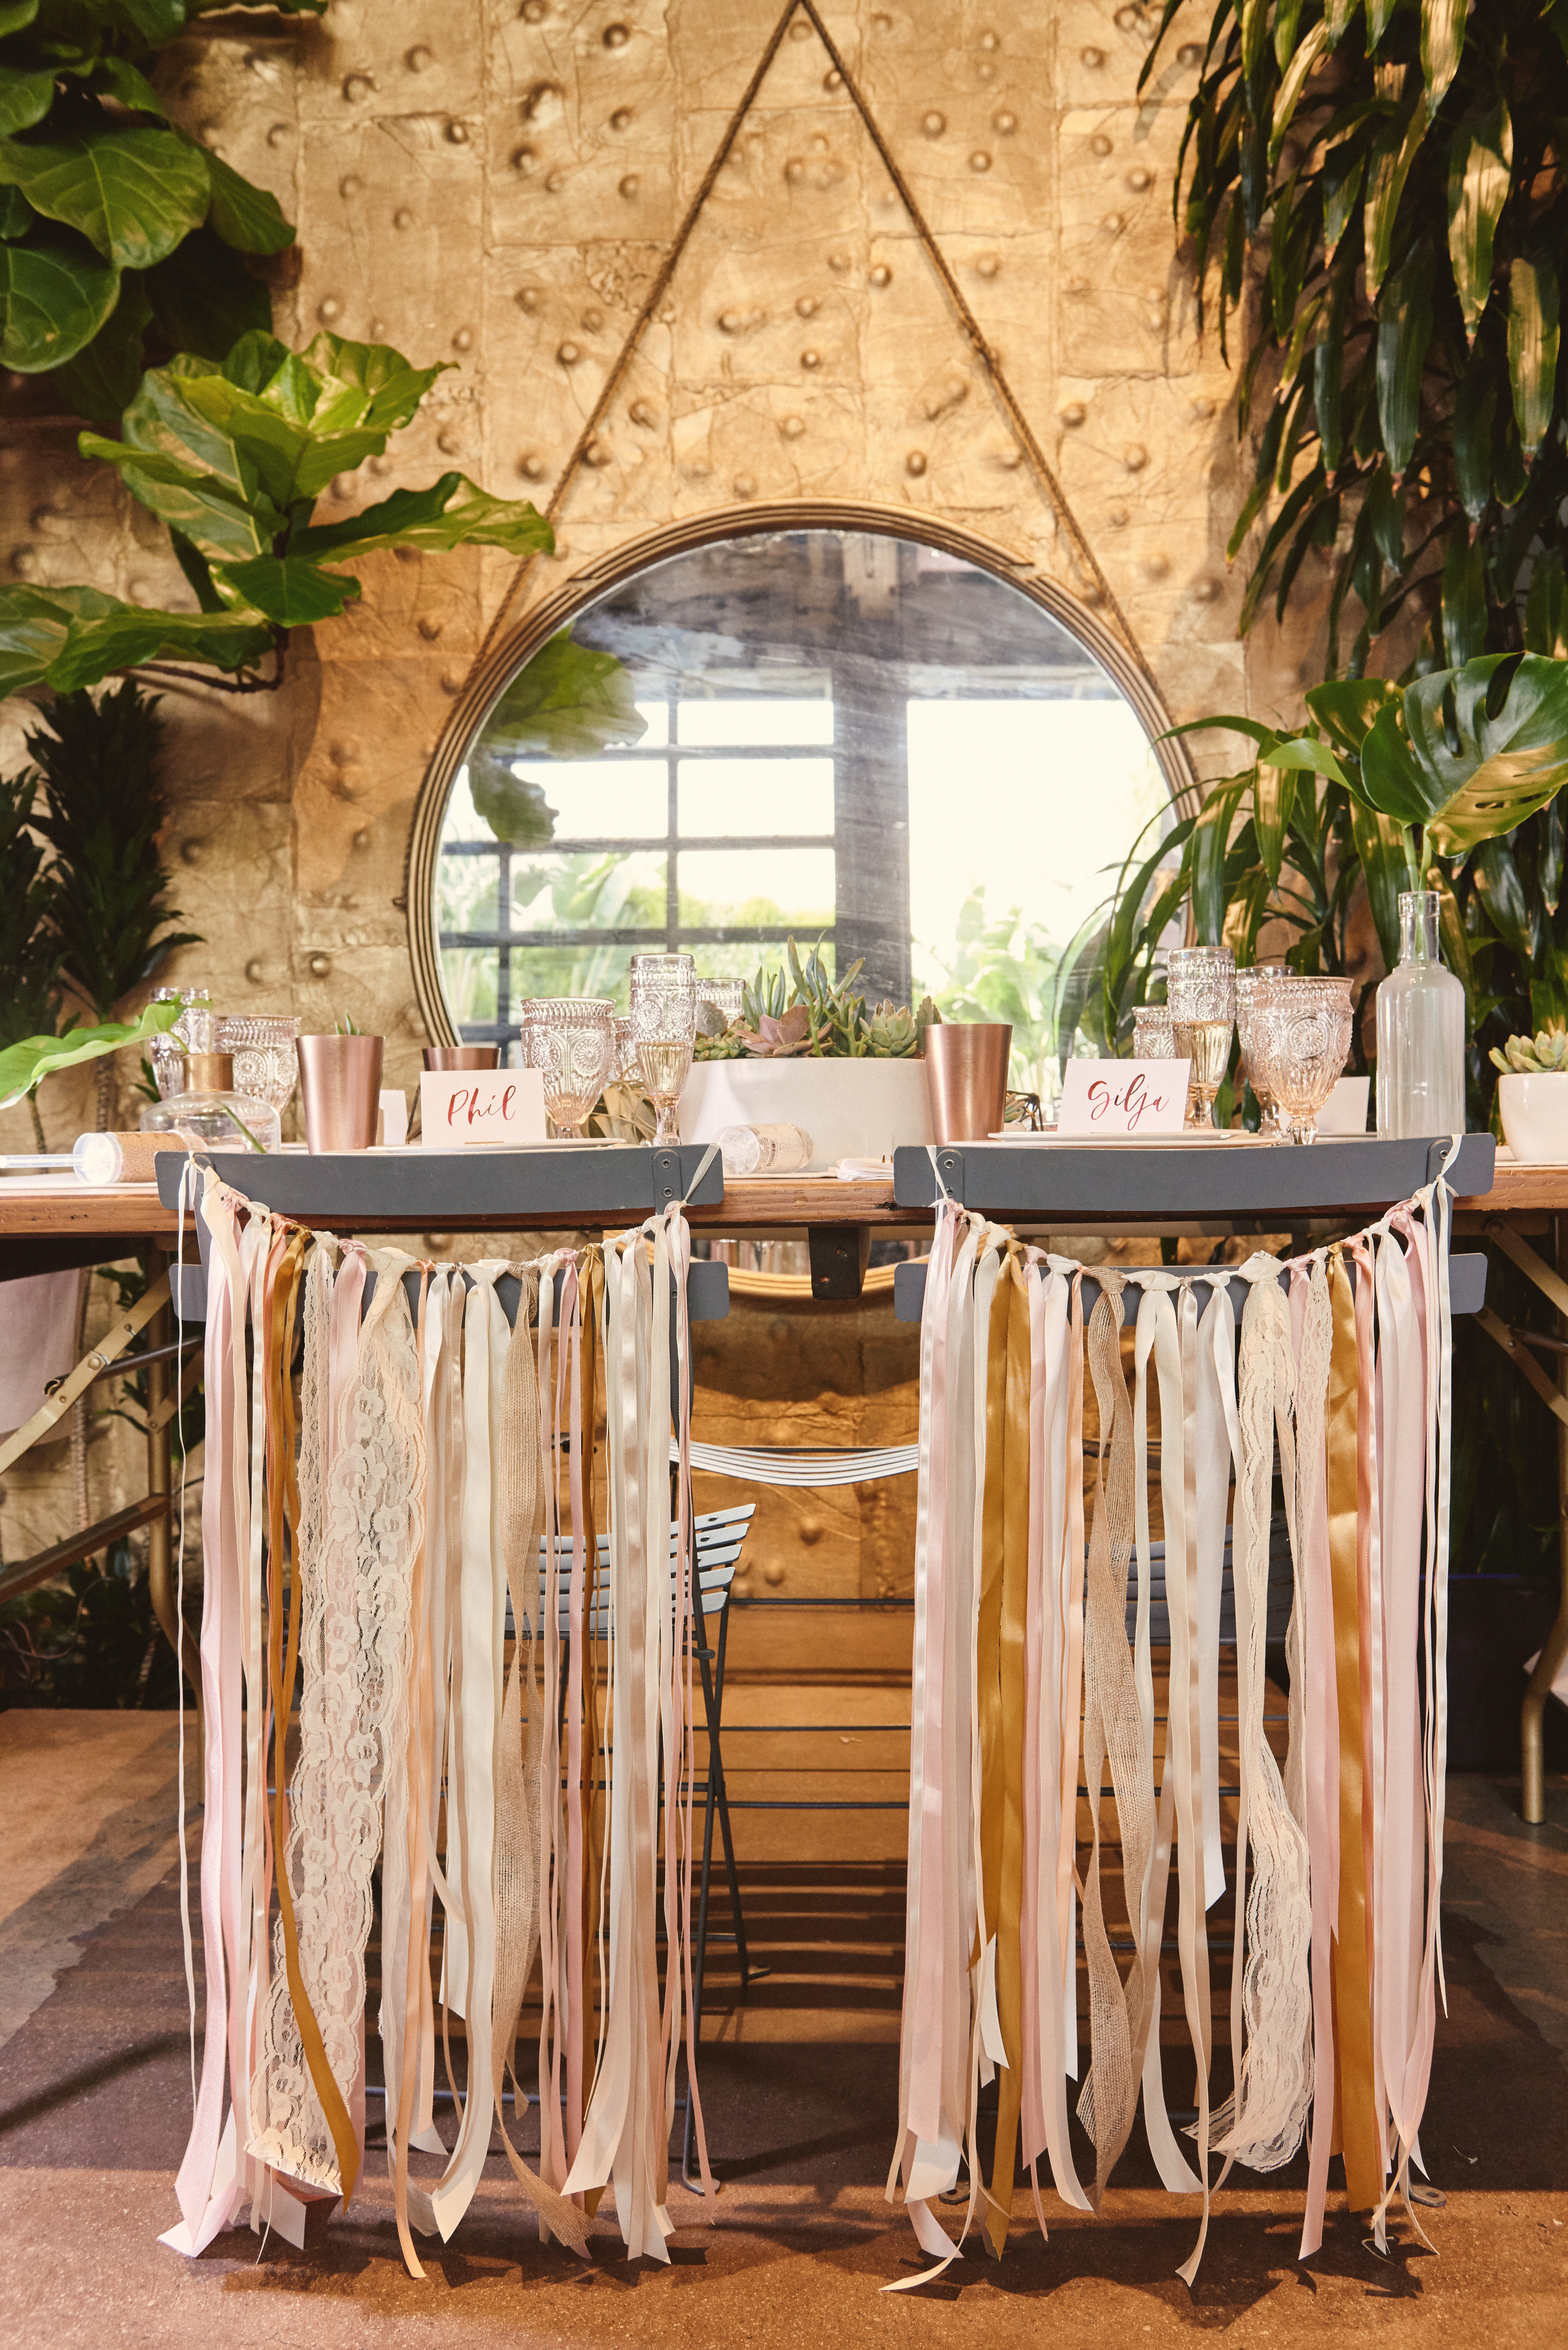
column 496, row 183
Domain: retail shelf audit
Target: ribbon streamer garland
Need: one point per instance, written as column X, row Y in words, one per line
column 1338, row 1856
column 367, row 1549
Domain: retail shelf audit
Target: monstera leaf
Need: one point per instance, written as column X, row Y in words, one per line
column 1464, row 754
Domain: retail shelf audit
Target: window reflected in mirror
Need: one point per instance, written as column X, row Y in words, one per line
column 826, row 735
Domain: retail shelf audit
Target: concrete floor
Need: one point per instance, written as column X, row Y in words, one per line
column 799, row 2088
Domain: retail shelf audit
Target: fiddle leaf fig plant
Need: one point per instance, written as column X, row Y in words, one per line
column 233, row 456
column 121, row 237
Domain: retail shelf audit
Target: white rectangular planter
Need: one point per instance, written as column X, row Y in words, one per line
column 851, row 1109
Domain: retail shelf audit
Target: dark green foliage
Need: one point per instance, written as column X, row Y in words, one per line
column 87, row 1638
column 118, row 231
column 1395, row 170
column 103, row 807
column 28, row 956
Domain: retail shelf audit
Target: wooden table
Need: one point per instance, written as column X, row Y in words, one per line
column 46, row 1231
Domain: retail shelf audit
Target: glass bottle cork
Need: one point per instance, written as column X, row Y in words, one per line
column 210, row 1111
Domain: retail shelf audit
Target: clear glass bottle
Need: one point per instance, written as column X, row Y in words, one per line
column 210, row 1112
column 1420, row 1031
column 190, row 1033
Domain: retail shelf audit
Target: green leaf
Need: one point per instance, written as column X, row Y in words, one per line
column 452, row 512
column 16, row 14
column 71, row 637
column 132, row 192
column 101, row 380
column 203, row 299
column 1341, row 186
column 246, row 217
column 1464, row 600
column 1532, row 340
column 1442, row 38
column 1348, row 706
column 55, row 294
column 1289, row 98
column 1391, row 161
column 1252, row 728
column 17, row 215
column 1210, row 845
column 122, row 80
column 1475, row 413
column 290, row 592
column 1403, row 334
column 567, row 702
column 1274, row 802
column 24, row 1066
column 395, row 386
column 1390, row 779
column 1502, row 895
column 1480, row 165
column 1488, row 758
column 1546, row 606
column 1298, row 752
column 1380, row 845
column 229, row 521
column 24, row 99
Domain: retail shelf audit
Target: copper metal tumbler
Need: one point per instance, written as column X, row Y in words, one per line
column 966, row 1077
column 339, row 1085
column 461, row 1056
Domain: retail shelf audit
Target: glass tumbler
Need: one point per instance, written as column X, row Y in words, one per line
column 1201, row 988
column 1253, row 983
column 1154, row 1037
column 571, row 1039
column 664, row 1029
column 1301, row 1029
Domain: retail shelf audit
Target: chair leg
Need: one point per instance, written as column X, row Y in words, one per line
column 713, row 1696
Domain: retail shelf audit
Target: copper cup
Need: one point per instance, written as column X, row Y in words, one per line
column 966, row 1077
column 339, row 1085
column 461, row 1056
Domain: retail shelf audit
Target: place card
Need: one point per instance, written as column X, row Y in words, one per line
column 1105, row 1099
column 460, row 1107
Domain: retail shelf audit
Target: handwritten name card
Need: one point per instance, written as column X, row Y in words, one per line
column 459, row 1106
column 1103, row 1099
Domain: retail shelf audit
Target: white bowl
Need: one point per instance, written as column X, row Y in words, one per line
column 1533, row 1107
column 851, row 1109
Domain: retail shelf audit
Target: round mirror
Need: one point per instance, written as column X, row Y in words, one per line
column 827, row 734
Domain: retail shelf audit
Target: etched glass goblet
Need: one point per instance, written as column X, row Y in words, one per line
column 1301, row 1029
column 1201, row 988
column 664, row 1030
column 571, row 1040
column 1252, row 985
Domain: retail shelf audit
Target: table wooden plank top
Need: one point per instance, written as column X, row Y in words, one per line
column 133, row 1211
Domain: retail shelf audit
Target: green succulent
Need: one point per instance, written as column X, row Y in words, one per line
column 893, row 1032
column 827, row 1018
column 1544, row 1054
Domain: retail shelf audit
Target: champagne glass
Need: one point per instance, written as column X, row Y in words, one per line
column 1201, row 987
column 1252, row 984
column 1302, row 1029
column 571, row 1039
column 664, row 1029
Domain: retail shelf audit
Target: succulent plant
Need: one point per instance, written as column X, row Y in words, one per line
column 1544, row 1054
column 803, row 1010
column 893, row 1032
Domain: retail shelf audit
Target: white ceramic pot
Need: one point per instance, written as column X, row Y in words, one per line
column 1533, row 1107
column 851, row 1109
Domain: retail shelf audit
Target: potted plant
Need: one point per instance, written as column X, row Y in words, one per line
column 807, row 1051
column 1532, row 1094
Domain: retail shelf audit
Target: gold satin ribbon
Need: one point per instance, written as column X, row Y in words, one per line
column 1355, row 2111
column 1004, row 1825
column 283, row 1493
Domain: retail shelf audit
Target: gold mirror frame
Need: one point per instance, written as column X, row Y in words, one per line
column 490, row 678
